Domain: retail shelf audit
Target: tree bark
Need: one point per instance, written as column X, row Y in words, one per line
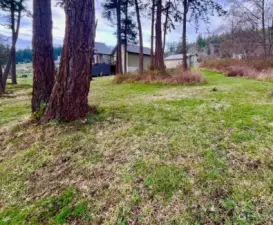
column 119, row 57
column 159, row 60
column 43, row 59
column 264, row 29
column 125, row 37
column 9, row 63
column 1, row 81
column 141, row 69
column 13, row 66
column 152, row 34
column 13, row 50
column 165, row 26
column 69, row 98
column 184, row 41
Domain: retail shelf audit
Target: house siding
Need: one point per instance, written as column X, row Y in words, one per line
column 133, row 62
column 100, row 58
column 173, row 63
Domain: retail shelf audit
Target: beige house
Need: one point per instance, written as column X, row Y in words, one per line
column 173, row 61
column 133, row 58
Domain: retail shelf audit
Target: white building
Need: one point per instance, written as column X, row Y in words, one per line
column 133, row 58
column 173, row 61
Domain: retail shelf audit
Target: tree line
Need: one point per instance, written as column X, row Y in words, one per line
column 25, row 55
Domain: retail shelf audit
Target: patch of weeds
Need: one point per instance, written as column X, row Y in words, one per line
column 136, row 198
column 140, row 167
column 18, row 87
column 137, row 130
column 185, row 102
column 166, row 180
column 53, row 210
column 214, row 171
column 72, row 139
column 39, row 114
column 12, row 112
column 15, row 129
column 161, row 179
column 228, row 204
column 123, row 216
column 121, row 221
column 241, row 136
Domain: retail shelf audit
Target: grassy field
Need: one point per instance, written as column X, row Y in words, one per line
column 152, row 155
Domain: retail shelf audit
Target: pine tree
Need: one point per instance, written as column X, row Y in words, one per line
column 69, row 98
column 43, row 60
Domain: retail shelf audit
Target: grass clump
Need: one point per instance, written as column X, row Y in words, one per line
column 39, row 114
column 162, row 180
column 167, row 179
column 61, row 209
column 173, row 77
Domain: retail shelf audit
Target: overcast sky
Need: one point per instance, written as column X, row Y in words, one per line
column 105, row 29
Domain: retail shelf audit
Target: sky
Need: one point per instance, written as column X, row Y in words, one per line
column 105, row 30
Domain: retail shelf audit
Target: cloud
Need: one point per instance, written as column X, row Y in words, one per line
column 105, row 30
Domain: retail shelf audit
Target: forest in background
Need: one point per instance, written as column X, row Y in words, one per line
column 25, row 55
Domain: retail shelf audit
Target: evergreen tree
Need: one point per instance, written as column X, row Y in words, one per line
column 43, row 61
column 69, row 98
column 14, row 8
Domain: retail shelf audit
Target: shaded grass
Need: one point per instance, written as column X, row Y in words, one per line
column 152, row 155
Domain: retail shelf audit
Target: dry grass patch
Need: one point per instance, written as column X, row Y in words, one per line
column 253, row 69
column 172, row 77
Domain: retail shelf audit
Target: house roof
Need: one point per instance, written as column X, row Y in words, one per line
column 101, row 48
column 177, row 56
column 135, row 49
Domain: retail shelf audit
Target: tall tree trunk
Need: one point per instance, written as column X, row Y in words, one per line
column 9, row 63
column 119, row 57
column 1, row 80
column 13, row 66
column 263, row 28
column 165, row 26
column 141, row 69
column 152, row 35
column 42, row 47
column 184, row 38
column 125, row 37
column 13, row 50
column 159, row 61
column 6, row 71
column 69, row 98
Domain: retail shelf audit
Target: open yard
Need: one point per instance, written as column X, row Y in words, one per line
column 152, row 155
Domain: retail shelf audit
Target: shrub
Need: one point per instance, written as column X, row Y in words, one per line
column 266, row 75
column 171, row 76
column 221, row 64
column 261, row 64
column 250, row 68
column 242, row 71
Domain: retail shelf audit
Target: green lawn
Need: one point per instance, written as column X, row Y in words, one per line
column 152, row 155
